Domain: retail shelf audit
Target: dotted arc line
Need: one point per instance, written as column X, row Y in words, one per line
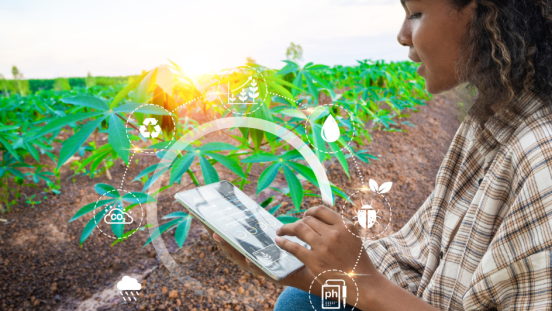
column 356, row 166
column 358, row 258
column 126, row 170
column 190, row 101
column 306, row 128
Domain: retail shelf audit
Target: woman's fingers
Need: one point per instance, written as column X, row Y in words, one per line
column 293, row 248
column 316, row 225
column 300, row 229
column 324, row 214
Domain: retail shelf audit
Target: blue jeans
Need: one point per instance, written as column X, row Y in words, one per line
column 293, row 299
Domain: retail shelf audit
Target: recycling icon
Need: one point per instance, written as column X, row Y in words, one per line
column 144, row 129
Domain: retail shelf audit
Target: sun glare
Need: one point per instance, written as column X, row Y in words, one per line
column 196, row 65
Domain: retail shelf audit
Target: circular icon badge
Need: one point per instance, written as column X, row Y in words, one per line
column 242, row 90
column 371, row 213
column 118, row 214
column 338, row 290
column 328, row 128
column 150, row 122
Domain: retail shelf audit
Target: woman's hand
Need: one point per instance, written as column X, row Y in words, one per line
column 333, row 245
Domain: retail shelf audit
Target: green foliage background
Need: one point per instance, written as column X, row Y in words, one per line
column 31, row 86
column 372, row 91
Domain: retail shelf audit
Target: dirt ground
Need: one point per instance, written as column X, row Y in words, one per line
column 42, row 266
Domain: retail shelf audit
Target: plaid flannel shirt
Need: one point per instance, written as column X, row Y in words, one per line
column 483, row 238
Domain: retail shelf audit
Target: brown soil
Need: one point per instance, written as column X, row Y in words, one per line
column 43, row 268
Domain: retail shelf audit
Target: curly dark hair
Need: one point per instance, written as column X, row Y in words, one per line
column 507, row 49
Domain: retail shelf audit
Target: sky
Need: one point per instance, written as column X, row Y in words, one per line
column 60, row 38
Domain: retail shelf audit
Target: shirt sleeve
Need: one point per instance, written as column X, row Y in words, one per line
column 401, row 256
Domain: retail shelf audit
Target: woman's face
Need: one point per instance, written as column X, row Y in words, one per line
column 433, row 31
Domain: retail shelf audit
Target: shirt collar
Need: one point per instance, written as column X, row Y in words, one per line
column 498, row 129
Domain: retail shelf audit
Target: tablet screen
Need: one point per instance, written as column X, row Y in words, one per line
column 240, row 219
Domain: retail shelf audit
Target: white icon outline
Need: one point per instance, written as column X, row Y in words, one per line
column 328, row 304
column 367, row 217
column 123, row 214
column 129, row 285
column 244, row 94
column 330, row 130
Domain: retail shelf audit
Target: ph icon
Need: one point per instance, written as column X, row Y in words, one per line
column 332, row 294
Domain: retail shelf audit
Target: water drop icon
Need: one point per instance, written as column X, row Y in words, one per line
column 330, row 130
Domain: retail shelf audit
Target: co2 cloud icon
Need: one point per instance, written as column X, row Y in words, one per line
column 117, row 218
column 128, row 283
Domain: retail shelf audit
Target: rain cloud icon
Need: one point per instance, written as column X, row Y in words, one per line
column 118, row 218
column 128, row 283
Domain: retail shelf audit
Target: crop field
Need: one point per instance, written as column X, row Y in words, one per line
column 74, row 151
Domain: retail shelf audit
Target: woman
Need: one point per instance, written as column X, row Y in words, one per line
column 483, row 238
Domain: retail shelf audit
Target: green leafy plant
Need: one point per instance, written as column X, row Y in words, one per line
column 112, row 199
column 368, row 87
column 382, row 94
column 30, row 200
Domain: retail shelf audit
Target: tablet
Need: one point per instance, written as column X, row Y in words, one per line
column 244, row 224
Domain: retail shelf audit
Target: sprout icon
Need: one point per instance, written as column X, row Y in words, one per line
column 253, row 90
column 245, row 94
column 117, row 216
column 144, row 129
column 384, row 188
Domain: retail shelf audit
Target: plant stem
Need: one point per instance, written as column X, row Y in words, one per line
column 193, row 177
column 246, row 175
column 107, row 172
column 132, row 125
column 224, row 132
column 293, row 129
